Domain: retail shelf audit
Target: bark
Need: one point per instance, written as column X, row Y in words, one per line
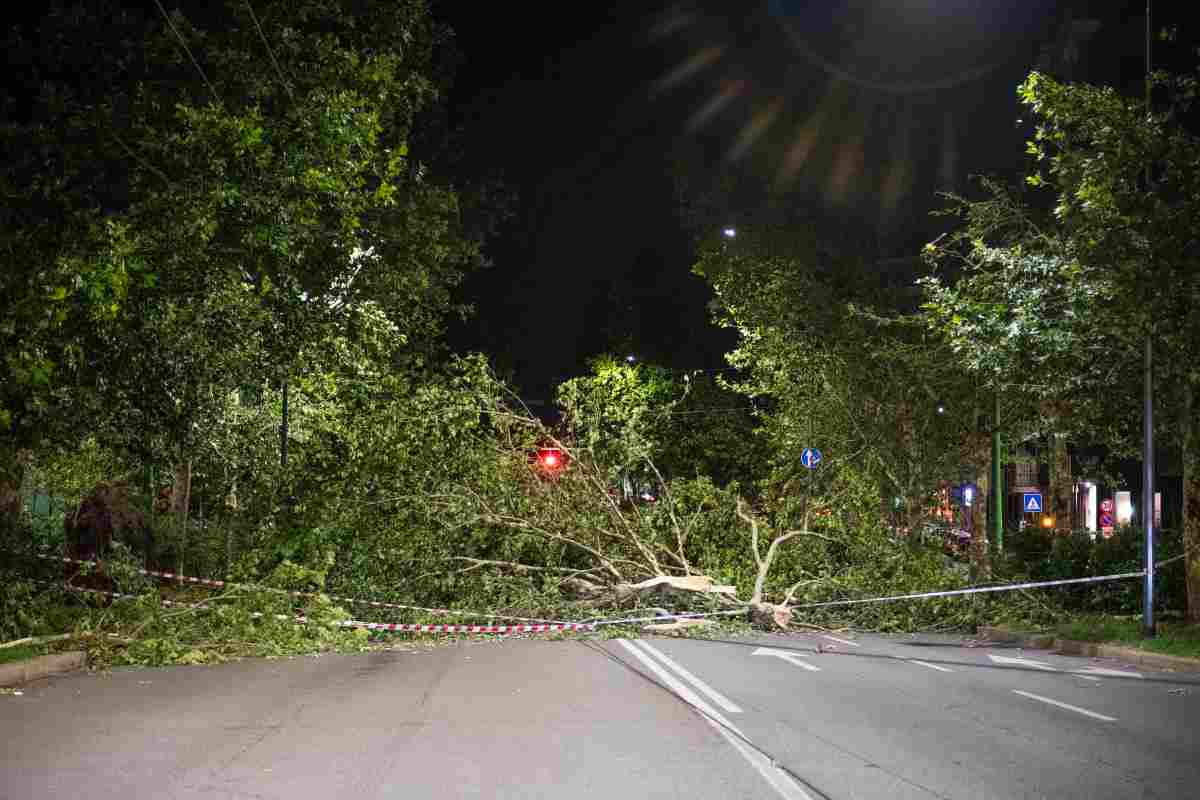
column 981, row 563
column 181, row 491
column 181, row 497
column 11, row 503
column 769, row 617
column 662, row 586
column 981, row 526
column 1191, row 506
column 1060, row 485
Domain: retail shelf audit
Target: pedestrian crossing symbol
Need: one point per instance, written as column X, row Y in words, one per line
column 1033, row 502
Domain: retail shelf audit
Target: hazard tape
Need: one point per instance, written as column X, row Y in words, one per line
column 543, row 625
column 977, row 590
column 219, row 584
column 375, row 626
column 661, row 617
column 404, row 628
column 1008, row 587
column 1158, row 564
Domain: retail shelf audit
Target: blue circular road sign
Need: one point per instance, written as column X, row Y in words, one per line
column 810, row 457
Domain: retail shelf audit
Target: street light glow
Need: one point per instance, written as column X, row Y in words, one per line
column 729, row 233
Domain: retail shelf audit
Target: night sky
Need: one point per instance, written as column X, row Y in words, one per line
column 846, row 114
column 851, row 113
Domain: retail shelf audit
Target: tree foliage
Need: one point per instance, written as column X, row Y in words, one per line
column 222, row 191
column 833, row 362
column 1075, row 293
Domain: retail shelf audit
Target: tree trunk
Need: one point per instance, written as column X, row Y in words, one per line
column 1191, row 506
column 12, row 481
column 981, row 564
column 1060, row 485
column 980, row 459
column 181, row 497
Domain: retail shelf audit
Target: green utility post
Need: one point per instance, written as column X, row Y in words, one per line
column 997, row 481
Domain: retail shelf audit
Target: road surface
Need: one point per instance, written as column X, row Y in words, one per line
column 768, row 717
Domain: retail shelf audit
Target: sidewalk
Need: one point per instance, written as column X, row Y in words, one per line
column 1071, row 647
column 18, row 672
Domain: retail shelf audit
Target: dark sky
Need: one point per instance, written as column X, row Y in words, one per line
column 850, row 114
column 851, row 111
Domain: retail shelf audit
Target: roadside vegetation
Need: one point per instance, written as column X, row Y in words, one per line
column 1174, row 638
column 223, row 300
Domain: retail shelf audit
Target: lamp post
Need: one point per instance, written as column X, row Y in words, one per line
column 1148, row 627
column 997, row 518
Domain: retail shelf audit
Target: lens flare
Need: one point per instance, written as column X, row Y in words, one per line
column 705, row 58
column 725, row 95
column 753, row 130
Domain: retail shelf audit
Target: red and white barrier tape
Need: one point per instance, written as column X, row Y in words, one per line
column 662, row 617
column 403, row 628
column 541, row 625
column 977, row 590
column 219, row 584
column 378, row 626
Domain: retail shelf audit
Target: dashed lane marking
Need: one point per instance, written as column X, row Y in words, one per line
column 842, row 641
column 1067, row 706
column 792, row 658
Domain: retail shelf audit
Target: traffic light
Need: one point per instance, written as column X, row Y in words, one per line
column 551, row 460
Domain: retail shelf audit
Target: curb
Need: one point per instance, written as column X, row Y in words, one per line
column 1035, row 641
column 1131, row 654
column 1071, row 647
column 40, row 667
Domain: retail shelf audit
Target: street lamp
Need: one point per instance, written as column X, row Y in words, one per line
column 729, row 233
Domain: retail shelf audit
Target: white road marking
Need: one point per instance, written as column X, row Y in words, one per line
column 1022, row 662
column 1067, row 706
column 1085, row 672
column 932, row 666
column 718, row 698
column 779, row 780
column 843, row 641
column 791, row 658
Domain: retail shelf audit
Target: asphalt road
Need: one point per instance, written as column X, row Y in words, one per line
column 866, row 717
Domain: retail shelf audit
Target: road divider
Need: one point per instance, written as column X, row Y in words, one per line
column 718, row 698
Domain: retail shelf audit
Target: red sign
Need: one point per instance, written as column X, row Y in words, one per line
column 1106, row 516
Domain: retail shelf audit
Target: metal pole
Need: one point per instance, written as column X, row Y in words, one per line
column 1148, row 628
column 997, row 481
column 1148, row 495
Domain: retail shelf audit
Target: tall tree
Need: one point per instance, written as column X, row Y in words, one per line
column 1118, row 261
column 194, row 203
column 835, row 364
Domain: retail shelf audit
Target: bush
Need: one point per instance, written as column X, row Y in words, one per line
column 1039, row 555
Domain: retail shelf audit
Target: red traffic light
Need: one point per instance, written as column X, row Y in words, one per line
column 550, row 459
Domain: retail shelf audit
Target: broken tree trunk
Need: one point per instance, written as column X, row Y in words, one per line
column 662, row 586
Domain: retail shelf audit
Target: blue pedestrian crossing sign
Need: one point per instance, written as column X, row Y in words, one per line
column 810, row 457
column 1032, row 502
